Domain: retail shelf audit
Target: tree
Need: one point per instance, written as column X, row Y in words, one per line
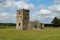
column 56, row 21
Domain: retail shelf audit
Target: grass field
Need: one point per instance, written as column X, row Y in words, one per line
column 44, row 34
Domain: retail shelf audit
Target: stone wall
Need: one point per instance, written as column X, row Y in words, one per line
column 22, row 19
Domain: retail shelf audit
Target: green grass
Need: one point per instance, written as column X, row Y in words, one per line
column 44, row 34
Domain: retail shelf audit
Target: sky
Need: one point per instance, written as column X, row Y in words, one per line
column 42, row 10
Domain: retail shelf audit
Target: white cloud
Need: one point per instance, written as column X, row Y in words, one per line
column 50, row 16
column 42, row 15
column 5, row 15
column 6, row 4
column 23, row 4
column 2, row 1
column 44, row 11
column 55, row 10
column 13, row 4
column 10, row 3
column 7, row 18
column 54, row 7
column 56, row 1
column 19, row 4
column 11, row 17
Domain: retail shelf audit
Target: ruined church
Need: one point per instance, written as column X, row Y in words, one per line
column 23, row 23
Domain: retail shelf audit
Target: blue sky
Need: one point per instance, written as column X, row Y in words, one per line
column 41, row 10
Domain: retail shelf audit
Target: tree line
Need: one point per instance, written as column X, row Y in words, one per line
column 5, row 25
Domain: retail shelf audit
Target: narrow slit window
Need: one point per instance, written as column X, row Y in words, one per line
column 19, row 24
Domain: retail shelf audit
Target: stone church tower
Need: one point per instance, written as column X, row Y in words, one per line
column 22, row 19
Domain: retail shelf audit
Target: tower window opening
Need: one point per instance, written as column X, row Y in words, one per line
column 19, row 12
column 35, row 26
column 19, row 24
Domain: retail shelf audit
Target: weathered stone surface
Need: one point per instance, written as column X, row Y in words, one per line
column 22, row 19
